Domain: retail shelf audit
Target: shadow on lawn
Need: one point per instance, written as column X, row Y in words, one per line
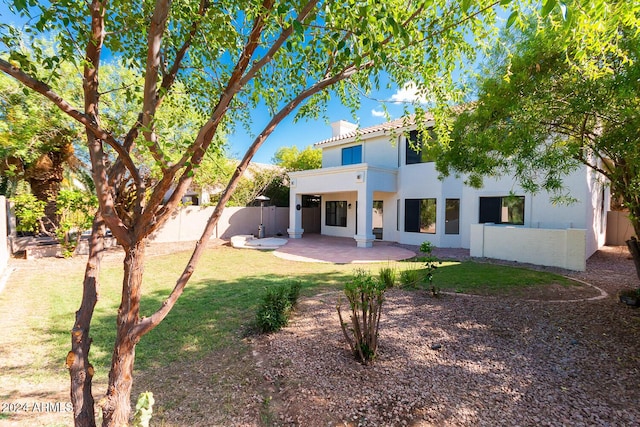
column 209, row 315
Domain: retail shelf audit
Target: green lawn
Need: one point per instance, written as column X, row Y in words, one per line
column 215, row 310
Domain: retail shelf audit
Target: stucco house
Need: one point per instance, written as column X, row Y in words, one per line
column 374, row 186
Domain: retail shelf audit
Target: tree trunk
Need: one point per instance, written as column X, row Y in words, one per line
column 116, row 405
column 80, row 370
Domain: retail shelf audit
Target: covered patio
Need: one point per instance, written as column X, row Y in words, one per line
column 339, row 250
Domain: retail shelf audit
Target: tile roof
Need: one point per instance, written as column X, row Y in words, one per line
column 387, row 126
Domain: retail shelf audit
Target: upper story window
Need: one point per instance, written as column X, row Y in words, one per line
column 502, row 210
column 415, row 151
column 352, row 155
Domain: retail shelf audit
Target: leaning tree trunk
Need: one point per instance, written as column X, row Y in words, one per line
column 116, row 405
column 80, row 370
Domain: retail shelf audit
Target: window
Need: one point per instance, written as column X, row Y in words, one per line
column 420, row 216
column 336, row 214
column 413, row 143
column 452, row 216
column 502, row 210
column 352, row 155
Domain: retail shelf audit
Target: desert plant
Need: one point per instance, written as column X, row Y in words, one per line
column 431, row 264
column 277, row 304
column 366, row 295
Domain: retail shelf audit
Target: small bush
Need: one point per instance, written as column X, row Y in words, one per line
column 366, row 295
column 411, row 278
column 388, row 276
column 431, row 263
column 275, row 310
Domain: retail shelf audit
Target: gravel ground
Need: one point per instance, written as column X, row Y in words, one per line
column 463, row 361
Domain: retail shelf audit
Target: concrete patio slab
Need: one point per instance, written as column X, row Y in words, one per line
column 339, row 250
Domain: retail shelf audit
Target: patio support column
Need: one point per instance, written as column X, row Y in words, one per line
column 364, row 234
column 295, row 215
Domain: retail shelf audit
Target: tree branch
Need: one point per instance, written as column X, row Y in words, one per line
column 91, row 114
column 150, row 92
column 147, row 324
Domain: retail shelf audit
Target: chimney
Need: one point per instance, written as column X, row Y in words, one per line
column 342, row 127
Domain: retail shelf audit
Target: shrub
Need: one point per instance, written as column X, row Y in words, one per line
column 410, row 277
column 277, row 304
column 76, row 210
column 431, row 264
column 29, row 212
column 366, row 295
column 387, row 275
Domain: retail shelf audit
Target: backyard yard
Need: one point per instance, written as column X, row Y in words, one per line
column 503, row 345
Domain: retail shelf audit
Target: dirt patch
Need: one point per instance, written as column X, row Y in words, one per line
column 460, row 361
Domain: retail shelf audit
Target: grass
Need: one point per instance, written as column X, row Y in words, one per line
column 491, row 279
column 215, row 310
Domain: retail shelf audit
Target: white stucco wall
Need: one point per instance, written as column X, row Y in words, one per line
column 348, row 231
column 381, row 151
column 549, row 247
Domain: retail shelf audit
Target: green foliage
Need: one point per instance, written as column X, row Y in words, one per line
column 144, row 409
column 29, row 212
column 259, row 180
column 76, row 209
column 388, row 276
column 539, row 117
column 292, row 159
column 365, row 294
column 431, row 264
column 274, row 311
column 411, row 277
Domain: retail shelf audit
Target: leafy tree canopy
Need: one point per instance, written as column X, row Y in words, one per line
column 539, row 117
column 292, row 159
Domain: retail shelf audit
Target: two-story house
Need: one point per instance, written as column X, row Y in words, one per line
column 374, row 185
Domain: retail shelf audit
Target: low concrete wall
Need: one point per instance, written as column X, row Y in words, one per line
column 188, row 222
column 619, row 228
column 4, row 241
column 553, row 248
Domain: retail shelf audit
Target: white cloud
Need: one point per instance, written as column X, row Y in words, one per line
column 409, row 93
column 377, row 113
